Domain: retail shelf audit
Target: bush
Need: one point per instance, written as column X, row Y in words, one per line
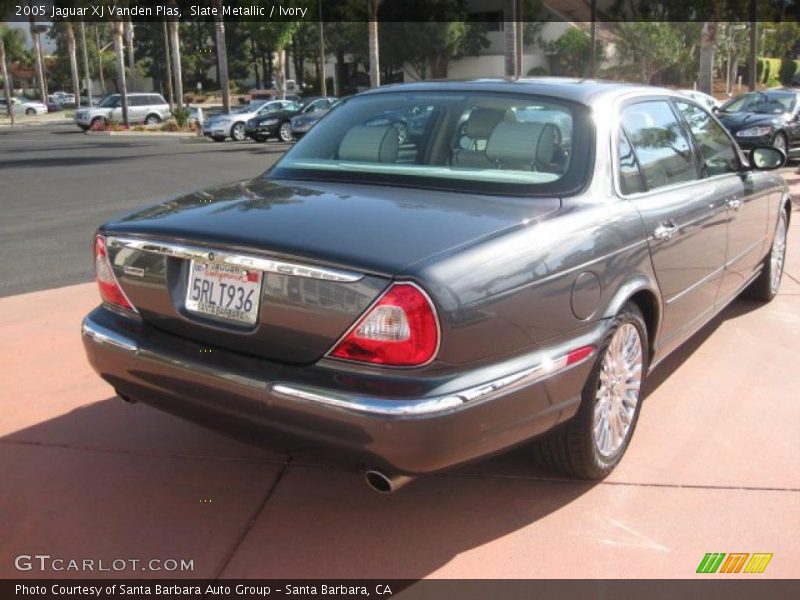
column 181, row 117
column 538, row 72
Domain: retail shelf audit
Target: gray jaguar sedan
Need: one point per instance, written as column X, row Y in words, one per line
column 440, row 271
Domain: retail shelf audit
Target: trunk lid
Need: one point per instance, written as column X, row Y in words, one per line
column 369, row 231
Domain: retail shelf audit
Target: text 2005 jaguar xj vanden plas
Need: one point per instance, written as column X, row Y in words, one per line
column 440, row 271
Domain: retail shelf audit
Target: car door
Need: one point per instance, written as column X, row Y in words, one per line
column 746, row 198
column 683, row 214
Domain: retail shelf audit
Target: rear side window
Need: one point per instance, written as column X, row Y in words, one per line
column 630, row 179
column 714, row 144
column 659, row 143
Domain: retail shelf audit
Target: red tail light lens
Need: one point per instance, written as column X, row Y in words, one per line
column 399, row 330
column 106, row 281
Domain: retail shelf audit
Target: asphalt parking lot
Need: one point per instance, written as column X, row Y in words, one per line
column 714, row 465
column 59, row 184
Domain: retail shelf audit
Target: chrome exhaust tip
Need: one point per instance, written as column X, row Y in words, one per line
column 383, row 483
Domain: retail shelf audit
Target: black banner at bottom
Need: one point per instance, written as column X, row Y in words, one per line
column 402, row 589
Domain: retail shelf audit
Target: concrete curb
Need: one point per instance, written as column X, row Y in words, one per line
column 174, row 134
column 36, row 123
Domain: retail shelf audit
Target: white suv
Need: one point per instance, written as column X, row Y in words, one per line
column 142, row 108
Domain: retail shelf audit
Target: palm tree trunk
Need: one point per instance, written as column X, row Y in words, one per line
column 131, row 61
column 222, row 59
column 36, row 35
column 6, row 81
column 374, row 60
column 280, row 73
column 706, row 72
column 168, row 62
column 85, row 69
column 120, row 52
column 100, row 60
column 511, row 41
column 175, row 41
column 73, row 62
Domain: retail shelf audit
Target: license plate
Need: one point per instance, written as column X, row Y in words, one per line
column 224, row 292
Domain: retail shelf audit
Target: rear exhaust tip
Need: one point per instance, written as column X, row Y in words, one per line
column 384, row 483
column 125, row 398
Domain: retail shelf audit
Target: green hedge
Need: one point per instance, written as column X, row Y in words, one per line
column 776, row 71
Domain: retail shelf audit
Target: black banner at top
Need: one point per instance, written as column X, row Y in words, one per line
column 490, row 11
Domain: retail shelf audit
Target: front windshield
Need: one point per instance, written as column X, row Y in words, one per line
column 761, row 102
column 470, row 141
column 109, row 102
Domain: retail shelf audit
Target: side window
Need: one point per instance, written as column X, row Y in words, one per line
column 137, row 100
column 630, row 179
column 717, row 150
column 660, row 144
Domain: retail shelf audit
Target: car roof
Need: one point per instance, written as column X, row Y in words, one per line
column 584, row 91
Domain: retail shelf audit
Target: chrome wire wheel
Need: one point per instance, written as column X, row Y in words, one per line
column 237, row 132
column 778, row 254
column 618, row 390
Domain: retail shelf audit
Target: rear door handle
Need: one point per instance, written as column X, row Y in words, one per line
column 734, row 203
column 665, row 231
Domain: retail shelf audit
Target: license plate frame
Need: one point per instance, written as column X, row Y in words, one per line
column 211, row 299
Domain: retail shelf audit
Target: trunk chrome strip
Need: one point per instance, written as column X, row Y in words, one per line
column 260, row 263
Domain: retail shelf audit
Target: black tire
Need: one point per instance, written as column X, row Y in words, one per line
column 571, row 448
column 30, row 112
column 764, row 288
column 84, row 127
column 97, row 124
column 152, row 119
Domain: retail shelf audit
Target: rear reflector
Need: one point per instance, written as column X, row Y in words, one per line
column 106, row 281
column 399, row 330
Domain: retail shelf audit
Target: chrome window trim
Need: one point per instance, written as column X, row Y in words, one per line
column 253, row 261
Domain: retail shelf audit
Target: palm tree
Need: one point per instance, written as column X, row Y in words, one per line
column 222, row 58
column 85, row 69
column 6, row 82
column 119, row 50
column 374, row 64
column 175, row 42
column 73, row 62
column 36, row 35
column 131, row 61
column 510, row 8
column 168, row 60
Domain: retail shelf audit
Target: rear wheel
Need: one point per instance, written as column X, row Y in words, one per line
column 237, row 132
column 30, row 112
column 766, row 285
column 152, row 119
column 593, row 442
column 97, row 124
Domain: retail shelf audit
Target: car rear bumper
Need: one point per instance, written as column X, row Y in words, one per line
column 395, row 423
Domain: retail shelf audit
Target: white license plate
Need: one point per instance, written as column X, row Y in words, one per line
column 224, row 292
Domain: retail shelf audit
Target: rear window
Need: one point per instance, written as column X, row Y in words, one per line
column 478, row 142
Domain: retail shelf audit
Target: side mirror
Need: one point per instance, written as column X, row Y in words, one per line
column 715, row 110
column 766, row 158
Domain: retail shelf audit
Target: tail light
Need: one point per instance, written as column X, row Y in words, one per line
column 399, row 330
column 106, row 281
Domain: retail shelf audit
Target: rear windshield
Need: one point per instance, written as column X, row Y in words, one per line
column 487, row 143
column 761, row 102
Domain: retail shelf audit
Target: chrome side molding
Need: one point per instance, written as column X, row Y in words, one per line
column 252, row 261
column 436, row 404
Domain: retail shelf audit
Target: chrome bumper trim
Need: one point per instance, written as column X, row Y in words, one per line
column 104, row 336
column 260, row 263
column 435, row 404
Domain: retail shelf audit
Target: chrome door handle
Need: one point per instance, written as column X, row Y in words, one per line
column 665, row 231
column 734, row 203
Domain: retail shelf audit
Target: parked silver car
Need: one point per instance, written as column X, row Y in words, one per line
column 23, row 106
column 233, row 125
column 142, row 108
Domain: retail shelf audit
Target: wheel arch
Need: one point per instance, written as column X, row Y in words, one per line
column 642, row 292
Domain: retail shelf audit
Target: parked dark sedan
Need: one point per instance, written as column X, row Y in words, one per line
column 302, row 123
column 765, row 118
column 515, row 273
column 277, row 124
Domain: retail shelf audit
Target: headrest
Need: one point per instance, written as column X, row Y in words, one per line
column 521, row 142
column 370, row 144
column 481, row 121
